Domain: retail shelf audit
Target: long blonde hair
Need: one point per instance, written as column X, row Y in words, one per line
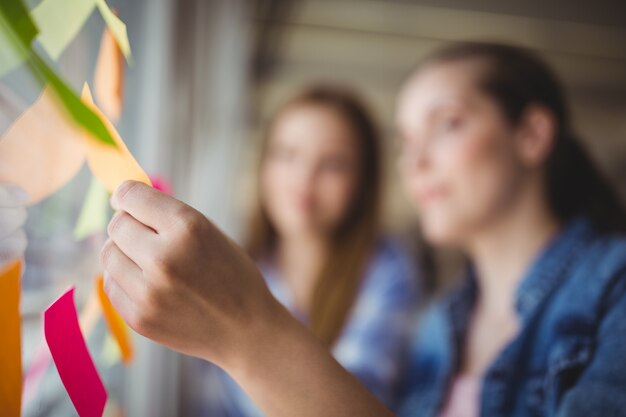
column 354, row 239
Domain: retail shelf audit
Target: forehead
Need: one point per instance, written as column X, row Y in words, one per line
column 312, row 125
column 438, row 85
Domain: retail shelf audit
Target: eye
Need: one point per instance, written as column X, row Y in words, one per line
column 335, row 165
column 451, row 124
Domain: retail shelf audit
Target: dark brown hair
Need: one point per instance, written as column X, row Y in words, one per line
column 354, row 239
column 517, row 78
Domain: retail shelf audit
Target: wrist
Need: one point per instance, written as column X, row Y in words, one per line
column 266, row 339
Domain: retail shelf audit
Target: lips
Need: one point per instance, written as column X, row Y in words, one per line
column 429, row 194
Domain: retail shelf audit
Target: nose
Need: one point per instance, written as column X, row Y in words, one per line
column 304, row 177
column 416, row 158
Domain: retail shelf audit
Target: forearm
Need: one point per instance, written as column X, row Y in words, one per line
column 176, row 279
column 287, row 372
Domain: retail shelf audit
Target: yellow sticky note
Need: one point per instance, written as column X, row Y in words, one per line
column 116, row 26
column 110, row 351
column 43, row 149
column 10, row 348
column 116, row 324
column 112, row 166
column 59, row 21
column 109, row 77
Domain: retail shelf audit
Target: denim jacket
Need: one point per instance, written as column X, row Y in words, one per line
column 569, row 357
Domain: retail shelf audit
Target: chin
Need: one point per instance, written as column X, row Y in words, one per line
column 440, row 233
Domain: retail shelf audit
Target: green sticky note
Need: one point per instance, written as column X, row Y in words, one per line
column 94, row 216
column 16, row 30
column 110, row 351
column 117, row 28
column 59, row 22
column 81, row 114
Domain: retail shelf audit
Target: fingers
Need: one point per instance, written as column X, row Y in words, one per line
column 136, row 240
column 120, row 300
column 119, row 267
column 149, row 206
column 127, row 289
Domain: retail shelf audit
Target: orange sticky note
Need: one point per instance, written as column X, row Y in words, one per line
column 10, row 348
column 116, row 324
column 109, row 77
column 110, row 165
column 42, row 150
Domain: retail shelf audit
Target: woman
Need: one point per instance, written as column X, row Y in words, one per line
column 537, row 326
column 315, row 237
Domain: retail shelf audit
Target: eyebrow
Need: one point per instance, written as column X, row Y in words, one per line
column 438, row 105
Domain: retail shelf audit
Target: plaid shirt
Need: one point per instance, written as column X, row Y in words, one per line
column 372, row 346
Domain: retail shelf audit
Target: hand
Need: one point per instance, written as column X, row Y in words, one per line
column 12, row 217
column 176, row 279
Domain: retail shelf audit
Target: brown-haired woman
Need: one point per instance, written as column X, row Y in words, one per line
column 314, row 234
column 535, row 329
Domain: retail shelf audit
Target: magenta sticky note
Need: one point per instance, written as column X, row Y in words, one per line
column 71, row 357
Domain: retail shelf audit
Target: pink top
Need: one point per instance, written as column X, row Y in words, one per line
column 464, row 399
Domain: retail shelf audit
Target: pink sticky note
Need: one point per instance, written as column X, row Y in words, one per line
column 161, row 184
column 71, row 357
column 36, row 372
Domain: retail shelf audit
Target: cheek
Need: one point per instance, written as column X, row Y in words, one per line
column 272, row 181
column 478, row 174
column 273, row 190
column 484, row 175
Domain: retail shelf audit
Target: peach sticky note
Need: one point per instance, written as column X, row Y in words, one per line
column 111, row 166
column 109, row 77
column 71, row 357
column 10, row 348
column 42, row 150
column 116, row 325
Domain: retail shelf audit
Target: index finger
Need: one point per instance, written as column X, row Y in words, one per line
column 146, row 204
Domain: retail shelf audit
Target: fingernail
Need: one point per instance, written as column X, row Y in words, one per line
column 122, row 188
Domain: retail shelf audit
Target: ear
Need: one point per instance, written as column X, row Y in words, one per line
column 535, row 135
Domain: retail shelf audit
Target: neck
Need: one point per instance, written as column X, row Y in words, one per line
column 300, row 259
column 503, row 251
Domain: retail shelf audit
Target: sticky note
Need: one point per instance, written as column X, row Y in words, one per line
column 109, row 77
column 94, row 215
column 36, row 372
column 42, row 150
column 116, row 324
column 10, row 348
column 71, row 357
column 162, row 184
column 41, row 360
column 111, row 166
column 110, row 351
column 116, row 26
column 17, row 31
column 59, row 22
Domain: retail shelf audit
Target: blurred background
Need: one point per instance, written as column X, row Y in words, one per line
column 208, row 73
